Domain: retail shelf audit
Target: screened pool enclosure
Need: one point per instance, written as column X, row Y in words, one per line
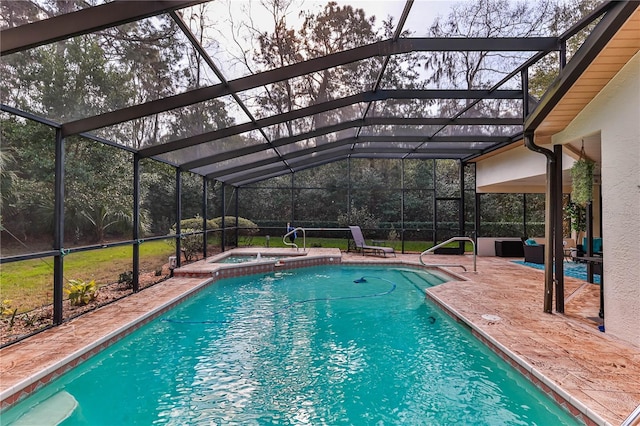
column 127, row 124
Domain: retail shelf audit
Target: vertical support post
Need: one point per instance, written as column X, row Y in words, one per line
column 477, row 216
column 136, row 222
column 349, row 188
column 237, row 191
column 58, row 237
column 549, row 218
column 435, row 203
column 558, row 234
column 549, row 233
column 293, row 201
column 222, row 224
column 204, row 217
column 402, row 193
column 563, row 54
column 524, row 215
column 524, row 75
column 589, row 237
column 461, row 204
column 178, row 216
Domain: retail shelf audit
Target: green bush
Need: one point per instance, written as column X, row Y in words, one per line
column 81, row 292
column 194, row 224
column 358, row 216
column 126, row 278
column 191, row 244
column 246, row 229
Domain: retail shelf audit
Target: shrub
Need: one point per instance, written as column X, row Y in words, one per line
column 246, row 227
column 81, row 292
column 7, row 310
column 195, row 224
column 126, row 278
column 193, row 243
column 5, row 307
column 358, row 216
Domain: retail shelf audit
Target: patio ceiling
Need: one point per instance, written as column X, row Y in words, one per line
column 356, row 124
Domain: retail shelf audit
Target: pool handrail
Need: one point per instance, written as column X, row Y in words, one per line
column 632, row 417
column 450, row 240
column 304, row 239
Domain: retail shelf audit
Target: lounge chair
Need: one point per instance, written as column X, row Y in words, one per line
column 361, row 245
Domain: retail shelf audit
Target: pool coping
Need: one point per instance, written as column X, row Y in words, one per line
column 20, row 390
column 213, row 272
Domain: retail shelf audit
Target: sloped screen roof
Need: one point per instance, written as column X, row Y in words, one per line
column 236, row 92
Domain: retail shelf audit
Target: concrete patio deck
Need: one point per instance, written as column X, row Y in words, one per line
column 566, row 355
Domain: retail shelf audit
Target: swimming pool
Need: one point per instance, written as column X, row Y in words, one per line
column 321, row 345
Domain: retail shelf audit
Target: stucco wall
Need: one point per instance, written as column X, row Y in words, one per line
column 615, row 112
column 516, row 170
column 515, row 164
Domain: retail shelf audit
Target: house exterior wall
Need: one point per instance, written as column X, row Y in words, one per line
column 495, row 173
column 615, row 113
column 518, row 170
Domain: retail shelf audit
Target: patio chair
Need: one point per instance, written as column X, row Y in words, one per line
column 533, row 252
column 361, row 245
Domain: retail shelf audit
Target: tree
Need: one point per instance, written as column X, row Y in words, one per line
column 483, row 18
column 335, row 28
column 8, row 177
column 157, row 192
column 565, row 14
column 27, row 191
column 483, row 69
column 98, row 189
column 84, row 76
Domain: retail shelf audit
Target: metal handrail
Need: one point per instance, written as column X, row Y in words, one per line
column 450, row 240
column 304, row 239
column 632, row 417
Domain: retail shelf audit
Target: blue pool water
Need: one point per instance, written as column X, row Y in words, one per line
column 571, row 269
column 323, row 345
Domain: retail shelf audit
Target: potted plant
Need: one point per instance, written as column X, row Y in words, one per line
column 577, row 215
column 582, row 181
column 581, row 194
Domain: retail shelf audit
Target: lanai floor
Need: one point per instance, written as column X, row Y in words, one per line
column 565, row 354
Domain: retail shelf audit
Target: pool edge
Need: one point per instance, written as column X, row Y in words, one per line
column 22, row 389
column 563, row 398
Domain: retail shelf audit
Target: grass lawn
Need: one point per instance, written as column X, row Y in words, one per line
column 341, row 243
column 29, row 283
